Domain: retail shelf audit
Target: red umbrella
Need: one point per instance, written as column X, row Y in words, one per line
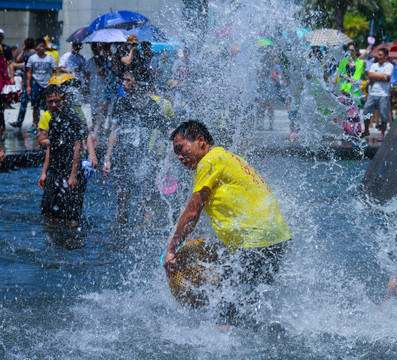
column 393, row 51
column 380, row 46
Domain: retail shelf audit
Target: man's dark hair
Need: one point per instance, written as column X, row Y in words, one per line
column 29, row 43
column 40, row 41
column 14, row 48
column 53, row 89
column 385, row 51
column 190, row 129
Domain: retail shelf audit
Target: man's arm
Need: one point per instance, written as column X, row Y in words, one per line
column 73, row 182
column 12, row 70
column 44, row 140
column 29, row 81
column 43, row 176
column 186, row 224
column 112, row 139
column 379, row 77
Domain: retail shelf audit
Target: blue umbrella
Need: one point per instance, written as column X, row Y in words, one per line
column 148, row 33
column 117, row 19
column 78, row 36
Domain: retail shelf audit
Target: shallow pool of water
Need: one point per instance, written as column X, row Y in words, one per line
column 99, row 293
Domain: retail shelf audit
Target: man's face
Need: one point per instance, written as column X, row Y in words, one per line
column 381, row 57
column 189, row 153
column 129, row 84
column 54, row 103
column 40, row 48
column 76, row 47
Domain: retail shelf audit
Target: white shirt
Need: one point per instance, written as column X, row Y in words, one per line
column 381, row 88
column 75, row 64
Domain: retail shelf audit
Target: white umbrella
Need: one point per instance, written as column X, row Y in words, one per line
column 107, row 36
column 327, row 37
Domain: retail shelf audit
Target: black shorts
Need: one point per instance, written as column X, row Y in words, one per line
column 59, row 201
column 242, row 272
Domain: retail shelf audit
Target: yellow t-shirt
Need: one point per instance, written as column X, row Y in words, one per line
column 243, row 211
column 44, row 123
column 55, row 54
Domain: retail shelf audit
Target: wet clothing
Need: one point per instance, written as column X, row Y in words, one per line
column 140, row 143
column 243, row 211
column 58, row 200
column 242, row 272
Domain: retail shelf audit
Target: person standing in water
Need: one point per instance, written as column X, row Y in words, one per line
column 62, row 177
column 135, row 146
column 242, row 209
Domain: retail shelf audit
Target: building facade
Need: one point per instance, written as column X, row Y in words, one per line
column 60, row 18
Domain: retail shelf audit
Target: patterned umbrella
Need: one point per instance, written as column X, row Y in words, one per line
column 327, row 38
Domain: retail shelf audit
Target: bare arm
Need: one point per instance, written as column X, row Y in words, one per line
column 44, row 140
column 2, row 155
column 11, row 67
column 379, row 77
column 364, row 54
column 29, row 81
column 43, row 176
column 186, row 224
column 112, row 139
column 91, row 151
column 126, row 60
column 72, row 182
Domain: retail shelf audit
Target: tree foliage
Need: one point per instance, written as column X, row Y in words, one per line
column 354, row 17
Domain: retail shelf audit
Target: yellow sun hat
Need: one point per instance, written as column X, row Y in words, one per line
column 60, row 79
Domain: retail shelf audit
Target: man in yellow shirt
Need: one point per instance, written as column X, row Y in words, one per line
column 242, row 209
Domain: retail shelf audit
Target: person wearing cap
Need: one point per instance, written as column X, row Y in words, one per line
column 8, row 55
column 40, row 67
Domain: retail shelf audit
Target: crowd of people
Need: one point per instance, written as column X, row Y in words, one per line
column 358, row 81
column 121, row 83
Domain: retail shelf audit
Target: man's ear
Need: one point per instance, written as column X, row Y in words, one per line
column 201, row 140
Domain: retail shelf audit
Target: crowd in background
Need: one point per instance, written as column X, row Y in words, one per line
column 134, row 97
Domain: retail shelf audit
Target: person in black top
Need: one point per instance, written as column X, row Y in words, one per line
column 135, row 147
column 62, row 177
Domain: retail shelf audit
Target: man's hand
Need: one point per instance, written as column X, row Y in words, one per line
column 42, row 181
column 170, row 264
column 72, row 182
column 106, row 168
column 28, row 89
column 94, row 160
